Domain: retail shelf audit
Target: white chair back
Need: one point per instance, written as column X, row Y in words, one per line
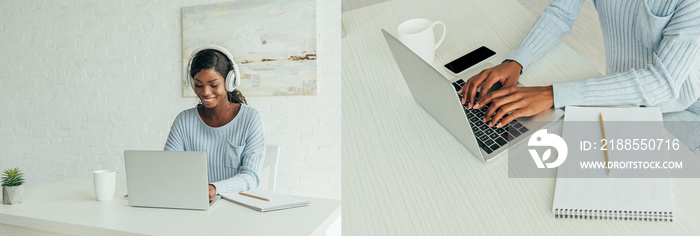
column 272, row 153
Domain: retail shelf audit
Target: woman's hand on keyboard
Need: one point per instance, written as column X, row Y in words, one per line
column 507, row 73
column 212, row 190
column 511, row 103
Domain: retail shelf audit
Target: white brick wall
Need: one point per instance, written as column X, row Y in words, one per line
column 82, row 81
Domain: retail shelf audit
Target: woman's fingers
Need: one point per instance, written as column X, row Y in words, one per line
column 472, row 84
column 212, row 190
column 506, row 73
column 488, row 83
column 503, row 111
column 512, row 116
column 464, row 98
column 493, row 95
column 511, row 103
column 504, row 97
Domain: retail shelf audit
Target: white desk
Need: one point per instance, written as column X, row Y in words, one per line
column 404, row 174
column 70, row 207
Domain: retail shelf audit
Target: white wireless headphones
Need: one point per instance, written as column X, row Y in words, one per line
column 233, row 78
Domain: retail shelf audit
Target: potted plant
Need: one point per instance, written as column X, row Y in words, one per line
column 12, row 189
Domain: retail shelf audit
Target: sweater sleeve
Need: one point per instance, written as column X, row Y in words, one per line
column 674, row 61
column 252, row 157
column 553, row 23
column 175, row 140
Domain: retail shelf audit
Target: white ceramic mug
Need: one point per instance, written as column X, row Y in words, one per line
column 418, row 35
column 105, row 183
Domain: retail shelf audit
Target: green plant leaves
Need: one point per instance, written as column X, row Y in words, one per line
column 12, row 177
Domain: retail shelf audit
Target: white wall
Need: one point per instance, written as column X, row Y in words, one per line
column 82, row 81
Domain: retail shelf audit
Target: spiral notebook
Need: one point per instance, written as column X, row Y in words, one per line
column 608, row 197
column 276, row 201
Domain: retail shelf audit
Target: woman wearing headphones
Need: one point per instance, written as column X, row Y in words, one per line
column 223, row 126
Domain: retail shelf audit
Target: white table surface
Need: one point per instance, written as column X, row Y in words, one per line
column 404, row 174
column 70, row 207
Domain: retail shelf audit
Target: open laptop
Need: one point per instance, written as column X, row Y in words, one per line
column 167, row 179
column 439, row 97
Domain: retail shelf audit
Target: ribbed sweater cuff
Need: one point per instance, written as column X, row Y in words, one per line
column 617, row 89
column 567, row 94
column 521, row 56
column 229, row 185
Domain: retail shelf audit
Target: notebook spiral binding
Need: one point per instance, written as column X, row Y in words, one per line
column 612, row 215
column 287, row 206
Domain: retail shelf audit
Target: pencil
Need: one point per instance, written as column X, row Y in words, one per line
column 607, row 157
column 253, row 196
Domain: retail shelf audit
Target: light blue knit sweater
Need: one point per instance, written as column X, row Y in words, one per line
column 652, row 49
column 235, row 151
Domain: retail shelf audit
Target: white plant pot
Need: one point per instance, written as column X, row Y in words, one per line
column 12, row 195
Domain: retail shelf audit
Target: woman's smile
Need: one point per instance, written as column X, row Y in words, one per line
column 207, row 101
column 209, row 87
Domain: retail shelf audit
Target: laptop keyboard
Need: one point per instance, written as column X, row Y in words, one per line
column 489, row 138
